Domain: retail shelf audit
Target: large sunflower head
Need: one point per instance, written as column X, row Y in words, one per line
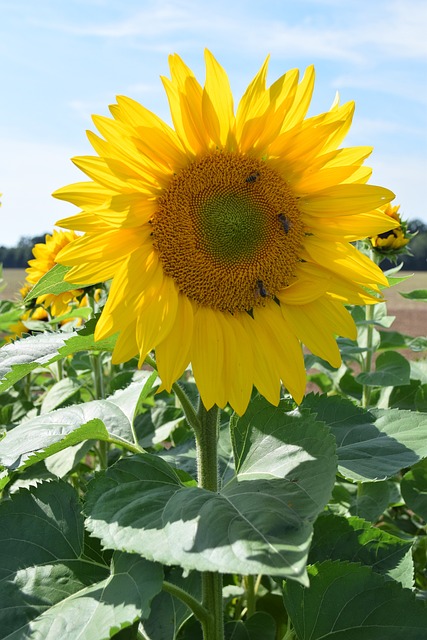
column 44, row 259
column 228, row 236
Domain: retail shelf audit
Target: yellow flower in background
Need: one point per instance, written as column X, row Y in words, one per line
column 395, row 239
column 44, row 259
column 228, row 236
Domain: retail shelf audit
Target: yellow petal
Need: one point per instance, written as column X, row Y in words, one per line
column 110, row 245
column 345, row 200
column 207, row 357
column 85, row 194
column 266, row 375
column 217, row 103
column 286, row 349
column 126, row 346
column 238, row 362
column 301, row 103
column 345, row 260
column 312, row 327
column 173, row 352
column 156, row 320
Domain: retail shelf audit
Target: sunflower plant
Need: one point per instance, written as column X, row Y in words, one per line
column 179, row 480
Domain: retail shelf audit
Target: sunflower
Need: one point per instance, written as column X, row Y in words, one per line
column 394, row 240
column 228, row 236
column 44, row 259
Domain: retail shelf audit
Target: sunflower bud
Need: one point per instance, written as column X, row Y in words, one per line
column 392, row 243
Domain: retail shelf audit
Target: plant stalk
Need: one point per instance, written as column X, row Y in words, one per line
column 369, row 315
column 207, row 473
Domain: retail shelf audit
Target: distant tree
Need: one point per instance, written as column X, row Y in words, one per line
column 17, row 257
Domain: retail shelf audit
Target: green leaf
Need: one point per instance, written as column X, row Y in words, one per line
column 259, row 625
column 49, row 433
column 259, row 522
column 59, row 393
column 23, row 356
column 347, row 601
column 417, row 294
column 391, row 369
column 414, row 489
column 355, row 540
column 375, row 444
column 50, row 587
column 52, row 282
column 372, row 499
column 396, row 340
column 168, row 614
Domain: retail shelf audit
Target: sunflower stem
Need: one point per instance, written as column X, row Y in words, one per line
column 207, row 473
column 367, row 365
column 186, row 404
column 98, row 383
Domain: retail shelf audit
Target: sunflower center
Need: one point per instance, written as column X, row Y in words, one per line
column 228, row 231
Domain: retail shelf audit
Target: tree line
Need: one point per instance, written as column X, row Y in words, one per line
column 17, row 257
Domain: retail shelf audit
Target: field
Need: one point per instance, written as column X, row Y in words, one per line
column 411, row 315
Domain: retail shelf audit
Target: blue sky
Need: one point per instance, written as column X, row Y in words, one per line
column 63, row 60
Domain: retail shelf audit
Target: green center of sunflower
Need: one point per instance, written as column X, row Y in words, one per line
column 233, row 226
column 228, row 231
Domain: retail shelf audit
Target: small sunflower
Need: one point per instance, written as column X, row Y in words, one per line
column 44, row 259
column 228, row 237
column 394, row 240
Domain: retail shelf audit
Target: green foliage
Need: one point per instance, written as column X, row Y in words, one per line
column 318, row 524
column 349, row 601
column 53, row 583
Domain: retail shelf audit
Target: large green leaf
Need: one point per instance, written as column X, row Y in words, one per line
column 259, row 625
column 49, row 433
column 391, row 369
column 355, row 540
column 23, row 356
column 375, row 444
column 52, row 585
column 414, row 488
column 347, row 601
column 259, row 522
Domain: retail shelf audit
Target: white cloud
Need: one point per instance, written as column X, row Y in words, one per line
column 394, row 30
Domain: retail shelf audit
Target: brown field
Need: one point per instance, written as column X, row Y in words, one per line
column 411, row 315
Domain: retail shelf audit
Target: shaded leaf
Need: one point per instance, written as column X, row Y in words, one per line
column 259, row 625
column 414, row 488
column 355, row 540
column 50, row 587
column 168, row 614
column 375, row 444
column 348, row 601
column 259, row 522
column 391, row 368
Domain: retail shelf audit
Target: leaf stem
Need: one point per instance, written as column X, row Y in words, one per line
column 198, row 609
column 187, row 406
column 207, row 473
